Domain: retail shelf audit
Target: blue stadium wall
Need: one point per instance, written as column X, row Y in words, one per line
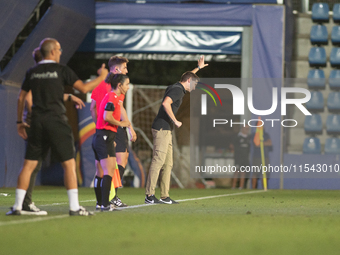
column 267, row 22
column 67, row 21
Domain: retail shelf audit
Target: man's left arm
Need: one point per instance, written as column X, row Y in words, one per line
column 76, row 100
column 268, row 142
column 200, row 64
column 90, row 85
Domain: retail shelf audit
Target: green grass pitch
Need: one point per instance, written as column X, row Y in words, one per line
column 239, row 222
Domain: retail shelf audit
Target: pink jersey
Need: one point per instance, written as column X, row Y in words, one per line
column 100, row 91
column 101, row 123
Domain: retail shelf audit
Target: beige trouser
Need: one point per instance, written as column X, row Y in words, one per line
column 162, row 159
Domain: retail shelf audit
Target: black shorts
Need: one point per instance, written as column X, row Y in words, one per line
column 102, row 144
column 50, row 131
column 258, row 162
column 244, row 163
column 121, row 140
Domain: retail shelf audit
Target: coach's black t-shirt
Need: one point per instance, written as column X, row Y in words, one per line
column 162, row 121
column 47, row 82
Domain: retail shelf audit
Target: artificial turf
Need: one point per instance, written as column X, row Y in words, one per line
column 239, row 222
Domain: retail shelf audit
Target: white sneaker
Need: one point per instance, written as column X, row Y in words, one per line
column 81, row 212
column 168, row 201
column 117, row 202
column 32, row 210
column 109, row 208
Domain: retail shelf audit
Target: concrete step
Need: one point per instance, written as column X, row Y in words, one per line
column 304, row 23
column 302, row 47
column 298, row 137
column 300, row 69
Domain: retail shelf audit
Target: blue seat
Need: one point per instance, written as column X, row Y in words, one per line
column 336, row 13
column 320, row 12
column 316, row 103
column 333, row 102
column 313, row 124
column 333, row 124
column 317, row 57
column 332, row 145
column 335, row 35
column 316, row 79
column 311, row 145
column 334, row 79
column 319, row 35
column 335, row 57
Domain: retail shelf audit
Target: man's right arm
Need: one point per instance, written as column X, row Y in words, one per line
column 167, row 107
column 89, row 86
column 20, row 109
column 29, row 101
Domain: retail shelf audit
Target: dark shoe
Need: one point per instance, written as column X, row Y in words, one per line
column 109, row 208
column 152, row 200
column 13, row 212
column 168, row 201
column 117, row 202
column 81, row 212
column 31, row 209
column 97, row 207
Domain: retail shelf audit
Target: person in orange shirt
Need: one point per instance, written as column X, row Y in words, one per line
column 108, row 121
column 117, row 65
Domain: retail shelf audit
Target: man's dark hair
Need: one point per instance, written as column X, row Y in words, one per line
column 116, row 60
column 37, row 56
column 187, row 75
column 115, row 79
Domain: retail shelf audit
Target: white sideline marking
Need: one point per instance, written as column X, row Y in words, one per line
column 66, row 203
column 129, row 207
column 224, row 195
column 197, row 198
column 14, row 222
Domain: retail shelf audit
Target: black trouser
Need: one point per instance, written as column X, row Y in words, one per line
column 28, row 196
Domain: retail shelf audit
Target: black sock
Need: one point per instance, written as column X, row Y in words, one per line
column 116, row 189
column 121, row 171
column 98, row 189
column 106, row 186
